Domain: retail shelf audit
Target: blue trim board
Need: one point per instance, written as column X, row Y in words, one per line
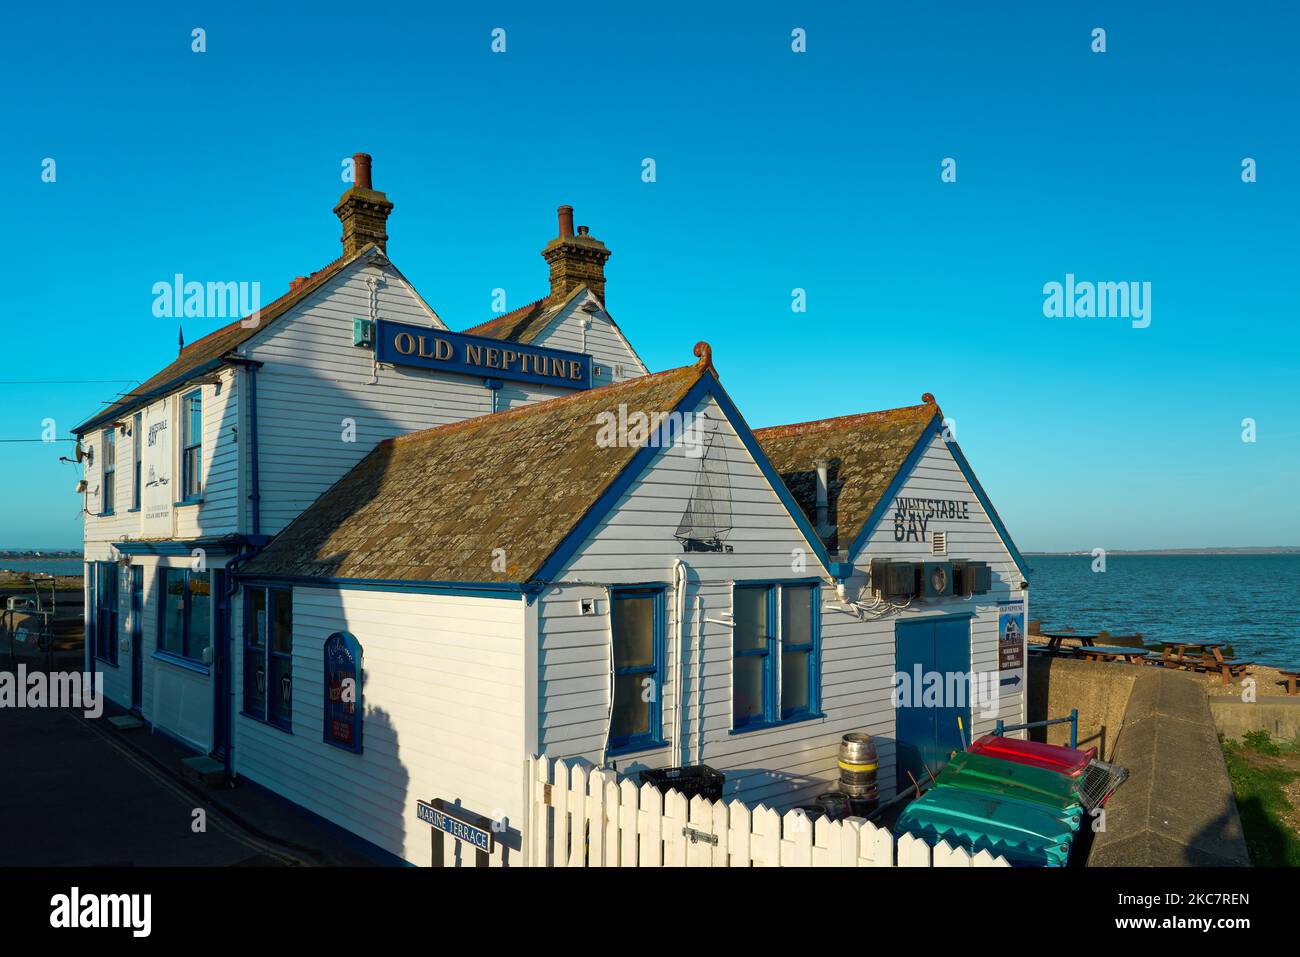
column 708, row 385
column 935, row 427
column 217, row 546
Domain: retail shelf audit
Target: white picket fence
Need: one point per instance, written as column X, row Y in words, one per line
column 581, row 816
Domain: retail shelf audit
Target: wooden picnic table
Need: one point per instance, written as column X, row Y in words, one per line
column 1054, row 639
column 1201, row 656
column 1292, row 679
column 1195, row 647
column 1129, row 655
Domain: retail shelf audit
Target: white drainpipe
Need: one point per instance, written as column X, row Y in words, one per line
column 679, row 645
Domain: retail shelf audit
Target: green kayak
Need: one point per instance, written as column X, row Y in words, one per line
column 998, row 778
column 1023, row 832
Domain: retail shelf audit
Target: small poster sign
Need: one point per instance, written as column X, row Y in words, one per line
column 1011, row 635
column 343, row 691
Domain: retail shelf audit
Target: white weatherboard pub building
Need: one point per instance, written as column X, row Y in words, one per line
column 527, row 530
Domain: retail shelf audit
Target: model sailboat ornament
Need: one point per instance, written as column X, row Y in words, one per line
column 706, row 523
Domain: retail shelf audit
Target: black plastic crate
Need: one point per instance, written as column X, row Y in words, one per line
column 688, row 781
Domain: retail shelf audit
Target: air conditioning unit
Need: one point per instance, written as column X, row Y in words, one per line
column 363, row 332
column 936, row 579
column 890, row 579
column 971, row 578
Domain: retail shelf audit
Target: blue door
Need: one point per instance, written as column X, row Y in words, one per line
column 932, row 659
column 137, row 637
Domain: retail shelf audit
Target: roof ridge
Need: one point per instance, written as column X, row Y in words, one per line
column 839, row 421
column 549, row 404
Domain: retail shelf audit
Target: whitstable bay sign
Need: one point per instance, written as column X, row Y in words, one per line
column 402, row 344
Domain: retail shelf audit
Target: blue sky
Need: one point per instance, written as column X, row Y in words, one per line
column 775, row 170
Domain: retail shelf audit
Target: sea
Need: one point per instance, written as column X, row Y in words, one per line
column 44, row 566
column 1251, row 602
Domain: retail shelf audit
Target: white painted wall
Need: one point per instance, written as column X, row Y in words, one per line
column 443, row 697
column 576, row 330
column 780, row 766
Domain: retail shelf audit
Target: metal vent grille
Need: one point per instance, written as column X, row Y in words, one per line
column 939, row 543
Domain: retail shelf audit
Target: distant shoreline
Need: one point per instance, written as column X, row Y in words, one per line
column 1273, row 550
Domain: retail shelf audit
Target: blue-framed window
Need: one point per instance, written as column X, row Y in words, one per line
column 185, row 628
column 191, row 446
column 344, row 708
column 109, row 452
column 268, row 655
column 636, row 713
column 137, row 455
column 775, row 668
column 104, row 630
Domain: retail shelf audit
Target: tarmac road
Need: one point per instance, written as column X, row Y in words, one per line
column 72, row 796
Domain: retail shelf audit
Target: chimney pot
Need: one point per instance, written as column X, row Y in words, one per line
column 361, row 170
column 363, row 210
column 574, row 263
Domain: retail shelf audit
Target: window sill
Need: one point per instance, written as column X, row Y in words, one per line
column 190, row 664
column 188, row 501
column 270, row 724
column 783, row 723
column 108, row 514
column 136, row 509
column 636, row 748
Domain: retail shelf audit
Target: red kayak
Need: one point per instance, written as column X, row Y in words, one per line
column 1053, row 757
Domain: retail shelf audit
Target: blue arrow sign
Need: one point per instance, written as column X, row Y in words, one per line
column 1010, row 681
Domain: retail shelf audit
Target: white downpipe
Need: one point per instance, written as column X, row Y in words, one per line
column 699, row 680
column 679, row 647
column 609, row 712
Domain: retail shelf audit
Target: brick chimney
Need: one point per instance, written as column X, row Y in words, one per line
column 362, row 210
column 575, row 260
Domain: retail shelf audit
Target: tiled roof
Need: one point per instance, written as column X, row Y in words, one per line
column 432, row 506
column 214, row 345
column 526, row 323
column 866, row 452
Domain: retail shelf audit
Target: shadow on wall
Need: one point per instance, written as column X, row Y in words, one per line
column 1099, row 692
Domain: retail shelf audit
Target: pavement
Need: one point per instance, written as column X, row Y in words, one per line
column 1177, row 808
column 76, row 792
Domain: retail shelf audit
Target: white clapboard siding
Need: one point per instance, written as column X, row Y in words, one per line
column 602, row 340
column 785, row 765
column 443, row 698
column 937, row 475
column 322, row 404
column 634, row 543
column 580, row 816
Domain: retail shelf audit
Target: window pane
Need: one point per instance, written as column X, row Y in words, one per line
column 631, row 715
column 747, row 689
column 255, row 651
column 172, row 638
column 200, row 633
column 751, row 618
column 796, row 616
column 634, row 632
column 194, row 420
column 281, row 689
column 794, row 683
column 282, row 621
